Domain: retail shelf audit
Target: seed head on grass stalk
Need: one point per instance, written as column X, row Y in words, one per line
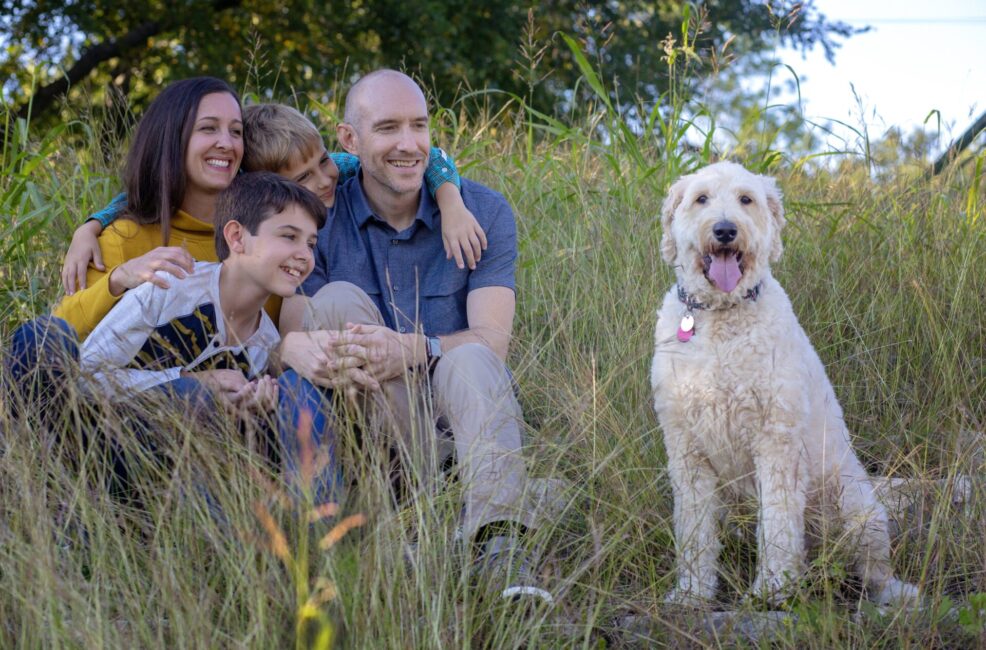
column 313, row 627
column 278, row 540
column 339, row 530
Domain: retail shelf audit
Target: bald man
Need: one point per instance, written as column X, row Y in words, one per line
column 393, row 318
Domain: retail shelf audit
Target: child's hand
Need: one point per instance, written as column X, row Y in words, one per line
column 172, row 259
column 257, row 396
column 462, row 236
column 237, row 394
column 224, row 383
column 84, row 247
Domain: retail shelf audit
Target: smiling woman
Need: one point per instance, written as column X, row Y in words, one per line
column 186, row 150
column 215, row 148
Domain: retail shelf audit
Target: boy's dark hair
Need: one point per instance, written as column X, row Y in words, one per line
column 154, row 174
column 254, row 197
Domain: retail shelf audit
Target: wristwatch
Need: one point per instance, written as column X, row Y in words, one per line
column 433, row 350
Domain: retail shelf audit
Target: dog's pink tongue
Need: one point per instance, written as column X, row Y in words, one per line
column 725, row 272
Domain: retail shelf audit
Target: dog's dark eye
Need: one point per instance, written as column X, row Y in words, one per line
column 745, row 200
column 701, row 198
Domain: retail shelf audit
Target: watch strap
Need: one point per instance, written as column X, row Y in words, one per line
column 433, row 350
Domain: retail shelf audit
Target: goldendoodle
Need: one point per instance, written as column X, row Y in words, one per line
column 742, row 397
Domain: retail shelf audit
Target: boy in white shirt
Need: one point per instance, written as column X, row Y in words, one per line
column 207, row 336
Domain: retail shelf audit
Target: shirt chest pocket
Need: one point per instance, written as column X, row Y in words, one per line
column 443, row 300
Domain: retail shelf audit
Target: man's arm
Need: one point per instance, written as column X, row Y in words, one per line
column 491, row 301
column 490, row 311
column 490, row 304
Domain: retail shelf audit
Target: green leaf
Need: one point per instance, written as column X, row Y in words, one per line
column 590, row 75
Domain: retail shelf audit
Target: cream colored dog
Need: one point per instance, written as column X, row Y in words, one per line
column 743, row 399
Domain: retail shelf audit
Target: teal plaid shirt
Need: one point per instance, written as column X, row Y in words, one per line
column 441, row 169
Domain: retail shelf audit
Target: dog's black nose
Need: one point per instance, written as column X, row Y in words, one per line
column 725, row 231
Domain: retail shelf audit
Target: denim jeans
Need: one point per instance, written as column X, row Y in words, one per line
column 44, row 351
column 299, row 398
column 39, row 361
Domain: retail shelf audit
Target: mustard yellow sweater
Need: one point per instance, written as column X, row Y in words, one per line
column 124, row 240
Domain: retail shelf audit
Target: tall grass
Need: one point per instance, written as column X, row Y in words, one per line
column 884, row 277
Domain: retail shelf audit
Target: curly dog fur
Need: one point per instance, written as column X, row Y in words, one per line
column 743, row 399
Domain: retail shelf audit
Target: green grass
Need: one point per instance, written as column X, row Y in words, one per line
column 885, row 277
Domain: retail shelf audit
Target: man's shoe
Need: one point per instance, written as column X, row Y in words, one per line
column 506, row 567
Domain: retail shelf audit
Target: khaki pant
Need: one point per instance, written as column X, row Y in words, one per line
column 471, row 390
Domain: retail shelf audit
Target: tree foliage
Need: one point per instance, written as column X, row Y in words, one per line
column 57, row 53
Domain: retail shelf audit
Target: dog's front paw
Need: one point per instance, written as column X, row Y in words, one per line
column 686, row 598
column 897, row 592
column 693, row 589
column 774, row 589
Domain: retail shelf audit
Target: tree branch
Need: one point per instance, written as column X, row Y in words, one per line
column 959, row 145
column 47, row 95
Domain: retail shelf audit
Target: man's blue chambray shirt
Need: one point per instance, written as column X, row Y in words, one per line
column 406, row 273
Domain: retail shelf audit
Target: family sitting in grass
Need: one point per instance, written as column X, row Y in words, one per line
column 402, row 302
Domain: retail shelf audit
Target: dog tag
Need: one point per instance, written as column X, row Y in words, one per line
column 686, row 328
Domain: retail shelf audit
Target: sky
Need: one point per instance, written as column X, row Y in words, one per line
column 917, row 57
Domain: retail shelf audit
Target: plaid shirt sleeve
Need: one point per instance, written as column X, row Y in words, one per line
column 347, row 163
column 108, row 215
column 441, row 169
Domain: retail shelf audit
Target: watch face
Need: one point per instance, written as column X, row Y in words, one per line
column 434, row 347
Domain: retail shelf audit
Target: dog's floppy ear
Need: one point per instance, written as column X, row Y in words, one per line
column 776, row 208
column 675, row 194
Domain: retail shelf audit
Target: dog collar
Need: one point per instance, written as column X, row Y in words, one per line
column 691, row 303
column 686, row 327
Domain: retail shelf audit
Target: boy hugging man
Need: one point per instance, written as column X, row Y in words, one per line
column 206, row 338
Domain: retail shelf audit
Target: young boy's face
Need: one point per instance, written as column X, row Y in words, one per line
column 316, row 172
column 280, row 256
